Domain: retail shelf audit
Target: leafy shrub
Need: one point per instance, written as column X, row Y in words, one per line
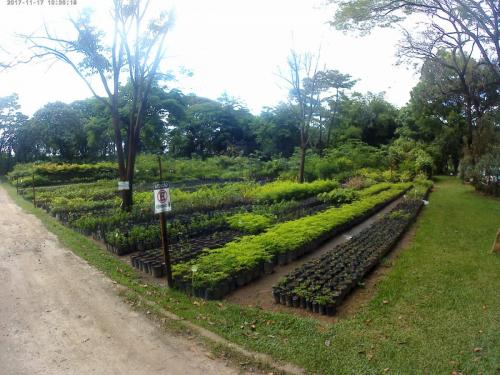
column 249, row 222
column 287, row 190
column 356, row 183
column 57, row 173
column 339, row 196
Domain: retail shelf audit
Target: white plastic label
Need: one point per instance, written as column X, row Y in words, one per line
column 123, row 185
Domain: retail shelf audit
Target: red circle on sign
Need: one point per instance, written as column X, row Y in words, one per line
column 162, row 196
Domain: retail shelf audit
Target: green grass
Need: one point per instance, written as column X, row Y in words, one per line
column 442, row 310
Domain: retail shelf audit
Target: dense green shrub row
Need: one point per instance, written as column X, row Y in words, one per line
column 214, row 169
column 217, row 269
column 209, row 197
column 339, row 196
column 249, row 222
column 57, row 173
column 127, row 238
column 287, row 190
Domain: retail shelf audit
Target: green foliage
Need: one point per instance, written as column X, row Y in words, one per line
column 60, row 173
column 286, row 190
column 375, row 189
column 410, row 158
column 339, row 196
column 485, row 174
column 249, row 222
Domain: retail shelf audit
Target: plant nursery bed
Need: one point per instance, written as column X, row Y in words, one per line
column 220, row 271
column 322, row 284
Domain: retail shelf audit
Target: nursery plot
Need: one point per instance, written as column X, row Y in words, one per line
column 184, row 249
column 321, row 284
column 217, row 272
column 93, row 209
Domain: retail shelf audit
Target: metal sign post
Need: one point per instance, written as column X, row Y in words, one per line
column 162, row 205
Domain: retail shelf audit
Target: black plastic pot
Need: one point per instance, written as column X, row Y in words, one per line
column 283, row 298
column 268, row 268
column 276, row 296
column 157, row 269
column 330, row 310
column 322, row 309
column 282, row 259
column 315, row 307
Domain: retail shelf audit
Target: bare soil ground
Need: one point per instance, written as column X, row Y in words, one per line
column 259, row 293
column 60, row 316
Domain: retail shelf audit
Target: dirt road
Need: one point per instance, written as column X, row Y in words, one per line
column 60, row 316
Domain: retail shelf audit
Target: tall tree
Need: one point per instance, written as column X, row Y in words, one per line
column 333, row 79
column 304, row 82
column 276, row 132
column 60, row 132
column 477, row 21
column 11, row 121
column 137, row 48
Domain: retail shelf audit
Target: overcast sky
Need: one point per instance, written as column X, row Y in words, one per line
column 230, row 46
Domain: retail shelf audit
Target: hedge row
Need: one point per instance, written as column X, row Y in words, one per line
column 58, row 173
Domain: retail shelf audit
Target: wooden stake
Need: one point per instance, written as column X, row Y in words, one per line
column 164, row 238
column 33, row 183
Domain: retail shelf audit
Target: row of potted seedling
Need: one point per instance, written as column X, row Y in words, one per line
column 320, row 285
column 183, row 251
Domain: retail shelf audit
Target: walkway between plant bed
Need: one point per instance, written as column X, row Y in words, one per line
column 259, row 293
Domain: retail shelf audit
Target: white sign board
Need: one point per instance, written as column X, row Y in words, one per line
column 123, row 185
column 162, row 198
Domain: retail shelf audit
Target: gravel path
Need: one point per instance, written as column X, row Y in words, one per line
column 60, row 316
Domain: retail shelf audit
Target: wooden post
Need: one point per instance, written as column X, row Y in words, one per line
column 33, row 183
column 164, row 237
column 17, row 185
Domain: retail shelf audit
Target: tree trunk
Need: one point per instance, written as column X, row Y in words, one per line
column 320, row 140
column 303, row 146
column 332, row 121
column 470, row 127
column 302, row 164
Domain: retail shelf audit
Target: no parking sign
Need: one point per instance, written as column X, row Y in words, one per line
column 162, row 197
